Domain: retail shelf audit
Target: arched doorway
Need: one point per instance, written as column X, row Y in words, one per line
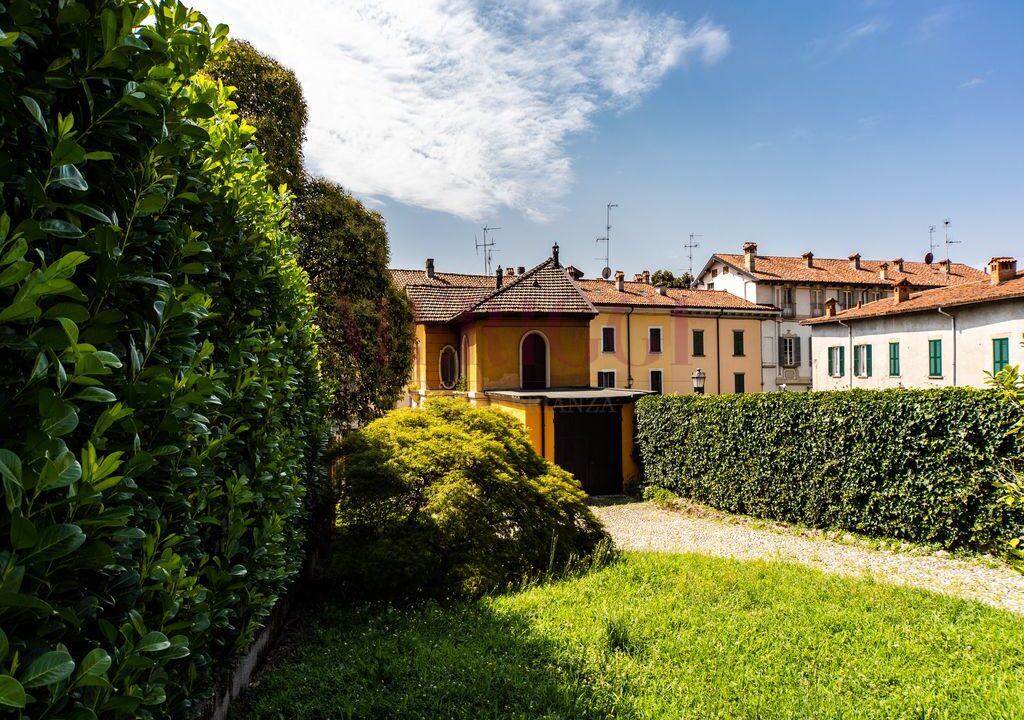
column 533, row 361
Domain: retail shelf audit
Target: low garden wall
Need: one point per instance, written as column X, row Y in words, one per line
column 919, row 465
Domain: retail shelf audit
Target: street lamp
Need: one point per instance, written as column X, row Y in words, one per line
column 698, row 381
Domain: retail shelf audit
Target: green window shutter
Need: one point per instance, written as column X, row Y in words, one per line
column 869, row 360
column 935, row 358
column 894, row 359
column 842, row 361
column 856, row 360
column 831, row 361
column 1000, row 354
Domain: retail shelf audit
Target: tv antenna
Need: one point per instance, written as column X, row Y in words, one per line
column 689, row 251
column 945, row 226
column 931, row 240
column 606, row 271
column 487, row 248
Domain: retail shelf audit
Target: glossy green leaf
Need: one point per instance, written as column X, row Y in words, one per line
column 12, row 693
column 55, row 542
column 48, row 669
column 34, row 110
column 153, row 641
column 97, row 662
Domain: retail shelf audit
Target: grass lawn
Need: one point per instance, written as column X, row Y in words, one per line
column 658, row 636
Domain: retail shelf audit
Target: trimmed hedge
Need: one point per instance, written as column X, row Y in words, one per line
column 919, row 465
column 162, row 405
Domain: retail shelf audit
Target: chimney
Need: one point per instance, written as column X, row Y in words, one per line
column 897, row 264
column 662, row 289
column 620, row 280
column 646, row 277
column 638, row 278
column 510, row 272
column 497, row 277
column 520, row 270
column 830, row 307
column 1001, row 269
column 808, row 259
column 430, row 268
column 574, row 272
column 750, row 256
column 944, row 266
column 855, row 261
column 883, row 271
column 901, row 291
column 554, row 255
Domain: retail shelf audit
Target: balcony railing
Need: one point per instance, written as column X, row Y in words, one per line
column 817, row 310
column 788, row 311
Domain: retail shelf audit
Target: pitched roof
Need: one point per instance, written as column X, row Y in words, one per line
column 434, row 303
column 971, row 293
column 402, row 278
column 639, row 294
column 835, row 271
column 546, row 288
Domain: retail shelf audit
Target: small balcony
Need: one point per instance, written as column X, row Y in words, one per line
column 817, row 310
column 788, row 310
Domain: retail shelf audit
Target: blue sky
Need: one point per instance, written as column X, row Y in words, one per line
column 829, row 126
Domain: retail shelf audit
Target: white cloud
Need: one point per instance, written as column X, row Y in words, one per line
column 463, row 106
column 846, row 39
column 972, row 83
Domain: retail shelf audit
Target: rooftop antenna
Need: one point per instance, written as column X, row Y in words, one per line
column 689, row 250
column 487, row 248
column 945, row 224
column 606, row 272
column 931, row 240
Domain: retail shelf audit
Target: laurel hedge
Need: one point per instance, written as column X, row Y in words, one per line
column 161, row 401
column 919, row 465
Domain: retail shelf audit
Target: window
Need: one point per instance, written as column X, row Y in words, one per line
column 714, row 273
column 607, row 339
column 737, row 343
column 710, row 286
column 837, row 361
column 935, row 358
column 817, row 303
column 606, row 378
column 894, row 359
column 874, row 296
column 654, row 339
column 533, row 361
column 1000, row 354
column 862, row 361
column 449, row 367
column 846, row 298
column 810, row 351
column 698, row 343
column 656, row 378
column 789, row 351
column 788, row 299
column 741, row 382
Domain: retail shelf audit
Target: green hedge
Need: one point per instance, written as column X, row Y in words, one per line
column 920, row 465
column 161, row 401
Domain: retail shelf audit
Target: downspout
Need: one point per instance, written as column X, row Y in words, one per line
column 629, row 351
column 850, row 343
column 543, row 438
column 953, row 321
column 718, row 351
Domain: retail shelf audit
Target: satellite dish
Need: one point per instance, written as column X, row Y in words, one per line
column 606, row 273
column 928, row 259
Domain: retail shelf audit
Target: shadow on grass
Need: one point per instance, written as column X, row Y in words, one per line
column 457, row 660
column 608, row 500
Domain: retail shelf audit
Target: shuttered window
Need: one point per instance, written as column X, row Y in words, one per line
column 740, row 380
column 789, row 351
column 608, row 339
column 737, row 343
column 837, row 361
column 934, row 358
column 1000, row 354
column 654, row 339
column 894, row 359
column 698, row 343
column 862, row 361
column 606, row 378
column 656, row 384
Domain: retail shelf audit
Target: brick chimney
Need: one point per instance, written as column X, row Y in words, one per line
column 554, row 255
column 662, row 289
column 750, row 256
column 510, row 272
column 901, row 291
column 520, row 270
column 497, row 277
column 944, row 266
column 1001, row 269
column 430, row 268
column 897, row 265
column 645, row 277
column 574, row 272
column 883, row 271
column 855, row 261
column 620, row 280
column 830, row 307
column 808, row 259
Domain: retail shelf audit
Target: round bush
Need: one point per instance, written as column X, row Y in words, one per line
column 448, row 499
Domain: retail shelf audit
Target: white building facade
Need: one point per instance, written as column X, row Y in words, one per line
column 936, row 338
column 800, row 287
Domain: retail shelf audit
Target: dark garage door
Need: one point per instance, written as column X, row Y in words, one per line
column 588, row 443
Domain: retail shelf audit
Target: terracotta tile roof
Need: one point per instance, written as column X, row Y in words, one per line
column 833, row 271
column 438, row 303
column 965, row 294
column 402, row 278
column 546, row 288
column 638, row 294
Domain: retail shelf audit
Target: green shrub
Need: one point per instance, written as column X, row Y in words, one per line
column 1010, row 384
column 161, row 402
column 659, row 495
column 448, row 499
column 920, row 465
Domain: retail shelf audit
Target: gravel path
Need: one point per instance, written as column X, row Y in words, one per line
column 694, row 528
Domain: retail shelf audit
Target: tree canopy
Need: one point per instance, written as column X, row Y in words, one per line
column 665, row 277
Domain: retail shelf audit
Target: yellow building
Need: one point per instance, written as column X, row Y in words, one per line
column 656, row 338
column 521, row 342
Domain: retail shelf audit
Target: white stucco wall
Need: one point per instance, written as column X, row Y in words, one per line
column 976, row 327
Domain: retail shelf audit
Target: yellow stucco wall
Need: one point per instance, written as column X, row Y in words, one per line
column 430, row 339
column 494, row 354
column 676, row 360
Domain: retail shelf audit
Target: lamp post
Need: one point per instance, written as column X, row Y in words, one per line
column 698, row 381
